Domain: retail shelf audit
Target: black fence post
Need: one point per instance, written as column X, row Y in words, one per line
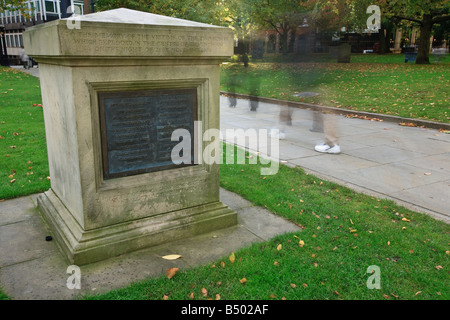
column 64, row 6
column 4, row 61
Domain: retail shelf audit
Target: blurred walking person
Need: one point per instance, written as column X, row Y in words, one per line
column 331, row 144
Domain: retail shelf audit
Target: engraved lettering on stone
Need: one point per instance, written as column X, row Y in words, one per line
column 133, row 44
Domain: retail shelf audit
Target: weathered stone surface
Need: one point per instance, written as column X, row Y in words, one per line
column 128, row 33
column 344, row 53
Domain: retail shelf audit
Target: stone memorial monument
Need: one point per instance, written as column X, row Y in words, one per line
column 115, row 85
column 344, row 53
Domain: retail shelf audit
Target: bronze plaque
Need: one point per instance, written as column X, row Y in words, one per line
column 136, row 128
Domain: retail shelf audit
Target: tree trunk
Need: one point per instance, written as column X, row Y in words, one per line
column 284, row 42
column 382, row 49
column 423, row 55
column 385, row 42
column 87, row 6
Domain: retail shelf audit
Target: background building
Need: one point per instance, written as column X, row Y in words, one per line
column 13, row 22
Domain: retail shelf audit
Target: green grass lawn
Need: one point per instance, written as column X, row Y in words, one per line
column 355, row 58
column 343, row 232
column 3, row 296
column 386, row 85
column 23, row 152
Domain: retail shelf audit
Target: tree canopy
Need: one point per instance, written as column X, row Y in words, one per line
column 352, row 14
column 424, row 13
column 17, row 4
column 206, row 11
column 283, row 16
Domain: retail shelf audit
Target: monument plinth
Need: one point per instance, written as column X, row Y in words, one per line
column 115, row 85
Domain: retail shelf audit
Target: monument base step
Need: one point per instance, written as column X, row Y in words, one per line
column 82, row 247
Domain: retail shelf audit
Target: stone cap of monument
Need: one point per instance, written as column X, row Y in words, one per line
column 129, row 16
column 127, row 34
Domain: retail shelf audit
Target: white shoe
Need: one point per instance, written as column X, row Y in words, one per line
column 278, row 135
column 327, row 149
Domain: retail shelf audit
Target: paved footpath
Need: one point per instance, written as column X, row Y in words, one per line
column 409, row 165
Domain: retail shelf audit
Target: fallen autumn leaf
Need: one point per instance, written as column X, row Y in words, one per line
column 172, row 257
column 171, row 272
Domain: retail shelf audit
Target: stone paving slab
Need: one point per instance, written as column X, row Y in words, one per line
column 333, row 165
column 383, row 154
column 392, row 177
column 440, row 160
column 430, row 196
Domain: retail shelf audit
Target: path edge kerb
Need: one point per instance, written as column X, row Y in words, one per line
column 315, row 107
